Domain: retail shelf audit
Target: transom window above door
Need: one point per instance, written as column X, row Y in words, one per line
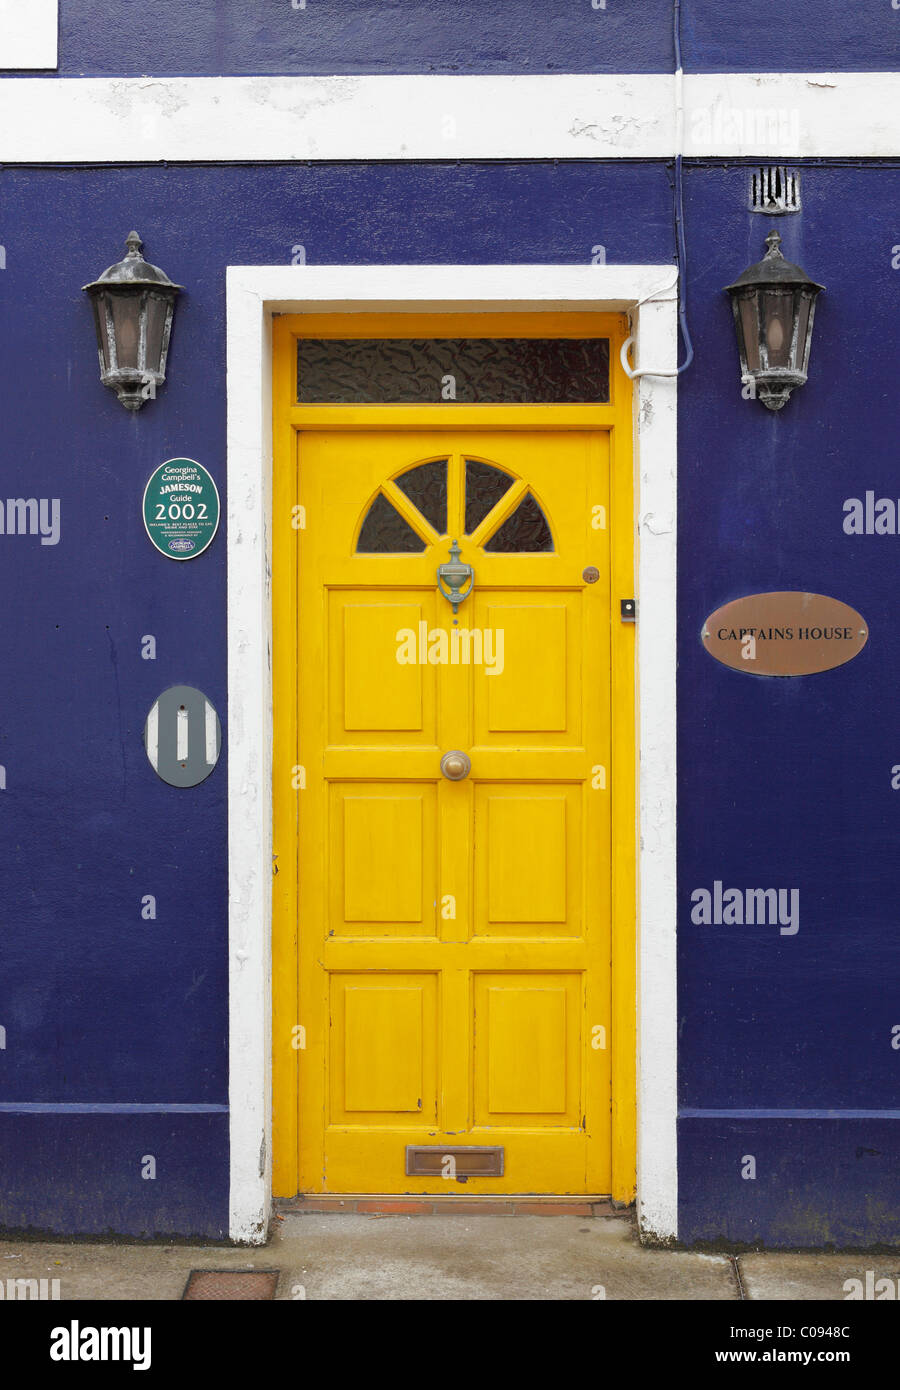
column 385, row 371
column 459, row 496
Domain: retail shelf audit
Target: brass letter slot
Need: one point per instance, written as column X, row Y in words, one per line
column 434, row 1161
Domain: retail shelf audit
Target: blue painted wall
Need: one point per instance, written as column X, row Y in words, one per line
column 787, row 783
column 460, row 36
column 100, row 1006
column 116, row 1027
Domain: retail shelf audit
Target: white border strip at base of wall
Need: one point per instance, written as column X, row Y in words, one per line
column 615, row 116
column 253, row 295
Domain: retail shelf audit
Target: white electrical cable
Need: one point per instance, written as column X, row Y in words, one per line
column 679, row 150
column 623, row 353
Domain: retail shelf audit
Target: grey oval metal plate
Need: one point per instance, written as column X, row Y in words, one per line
column 182, row 736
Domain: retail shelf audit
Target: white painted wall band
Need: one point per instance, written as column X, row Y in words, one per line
column 624, row 116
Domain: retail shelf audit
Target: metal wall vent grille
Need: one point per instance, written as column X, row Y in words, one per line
column 774, row 190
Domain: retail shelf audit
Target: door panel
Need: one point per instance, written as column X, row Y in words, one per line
column 370, row 821
column 454, row 936
column 383, row 1064
column 528, row 859
column 527, row 1052
column 527, row 697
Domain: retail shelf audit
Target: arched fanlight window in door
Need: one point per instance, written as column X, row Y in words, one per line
column 523, row 529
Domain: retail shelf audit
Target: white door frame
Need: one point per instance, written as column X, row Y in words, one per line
column 254, row 294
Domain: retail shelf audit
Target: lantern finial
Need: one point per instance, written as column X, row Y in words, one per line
column 773, row 241
column 134, row 244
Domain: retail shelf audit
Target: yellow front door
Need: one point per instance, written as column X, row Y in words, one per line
column 453, row 936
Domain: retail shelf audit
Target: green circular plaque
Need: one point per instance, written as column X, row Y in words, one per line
column 181, row 509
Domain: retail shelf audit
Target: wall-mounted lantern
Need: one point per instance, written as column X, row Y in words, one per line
column 134, row 304
column 774, row 305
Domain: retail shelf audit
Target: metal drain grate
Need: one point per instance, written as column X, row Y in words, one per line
column 255, row 1285
column 774, row 189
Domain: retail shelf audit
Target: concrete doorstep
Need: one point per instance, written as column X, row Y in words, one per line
column 376, row 1256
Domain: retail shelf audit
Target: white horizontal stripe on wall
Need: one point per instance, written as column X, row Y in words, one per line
column 769, row 115
column 28, row 33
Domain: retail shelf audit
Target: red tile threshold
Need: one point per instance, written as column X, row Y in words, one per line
column 386, row 1205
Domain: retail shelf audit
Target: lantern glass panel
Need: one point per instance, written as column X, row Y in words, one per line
column 803, row 331
column 101, row 326
column 750, row 331
column 126, row 310
column 778, row 307
column 157, row 308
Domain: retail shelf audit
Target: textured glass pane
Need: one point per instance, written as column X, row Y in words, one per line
column 750, row 330
column 479, row 369
column 126, row 314
column 426, row 486
column 385, row 531
column 526, row 529
column 102, row 327
column 157, row 310
column 484, row 488
column 779, row 310
column 802, row 330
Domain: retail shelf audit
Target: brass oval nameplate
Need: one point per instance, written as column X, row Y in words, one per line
column 784, row 634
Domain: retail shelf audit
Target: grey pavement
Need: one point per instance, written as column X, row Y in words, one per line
column 380, row 1257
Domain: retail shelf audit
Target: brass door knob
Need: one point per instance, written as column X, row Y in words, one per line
column 456, row 765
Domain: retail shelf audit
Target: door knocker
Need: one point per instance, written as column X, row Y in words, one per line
column 451, row 577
